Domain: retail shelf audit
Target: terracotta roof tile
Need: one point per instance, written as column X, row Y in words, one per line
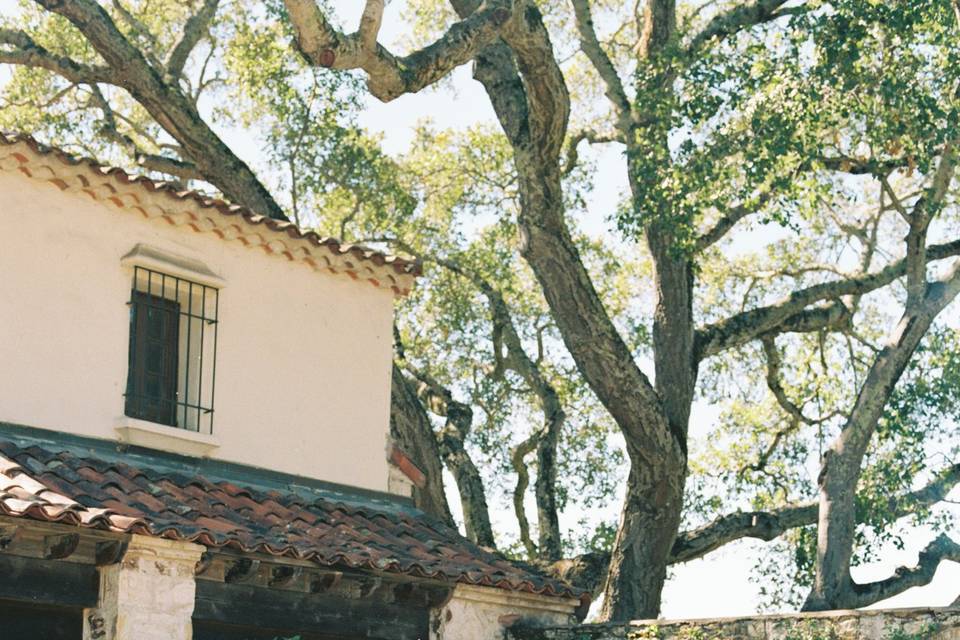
column 81, row 489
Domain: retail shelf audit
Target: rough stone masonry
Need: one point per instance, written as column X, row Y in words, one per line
column 889, row 624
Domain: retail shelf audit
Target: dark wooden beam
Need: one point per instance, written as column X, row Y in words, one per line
column 284, row 575
column 109, row 552
column 58, row 547
column 8, row 533
column 204, row 563
column 294, row 612
column 48, row 582
column 322, row 582
column 419, row 595
column 243, row 570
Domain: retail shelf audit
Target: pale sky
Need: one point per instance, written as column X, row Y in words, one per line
column 719, row 584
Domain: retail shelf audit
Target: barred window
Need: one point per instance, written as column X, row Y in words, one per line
column 172, row 357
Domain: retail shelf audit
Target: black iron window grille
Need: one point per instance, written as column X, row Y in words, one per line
column 173, row 344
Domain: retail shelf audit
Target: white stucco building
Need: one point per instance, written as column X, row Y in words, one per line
column 194, row 421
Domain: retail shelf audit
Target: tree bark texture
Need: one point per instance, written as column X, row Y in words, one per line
column 410, row 427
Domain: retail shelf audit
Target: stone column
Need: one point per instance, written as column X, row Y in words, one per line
column 485, row 613
column 148, row 595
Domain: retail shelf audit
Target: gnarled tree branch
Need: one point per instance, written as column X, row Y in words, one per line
column 586, row 571
column 194, row 29
column 941, row 549
column 28, row 53
column 613, row 85
column 452, row 444
column 389, row 76
column 740, row 17
column 791, row 313
column 167, row 104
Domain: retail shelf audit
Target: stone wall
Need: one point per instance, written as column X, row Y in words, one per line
column 890, row 624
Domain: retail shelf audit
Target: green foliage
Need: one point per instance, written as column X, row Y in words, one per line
column 751, row 120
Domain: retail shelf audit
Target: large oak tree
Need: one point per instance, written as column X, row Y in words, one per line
column 838, row 120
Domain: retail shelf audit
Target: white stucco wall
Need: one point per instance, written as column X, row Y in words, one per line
column 303, row 357
column 487, row 613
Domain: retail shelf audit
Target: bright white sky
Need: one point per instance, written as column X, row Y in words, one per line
column 719, row 584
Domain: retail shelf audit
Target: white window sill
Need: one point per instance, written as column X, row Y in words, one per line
column 157, row 436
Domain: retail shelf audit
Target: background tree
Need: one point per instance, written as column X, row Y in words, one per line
column 812, row 115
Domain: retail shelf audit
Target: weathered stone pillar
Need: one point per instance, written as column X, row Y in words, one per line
column 485, row 613
column 148, row 595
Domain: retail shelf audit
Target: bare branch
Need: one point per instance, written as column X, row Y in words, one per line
column 30, row 54
column 740, row 17
column 370, row 24
column 939, row 550
column 767, row 525
column 389, row 76
column 729, row 220
column 149, row 161
column 774, row 364
column 791, row 313
column 194, row 29
column 517, row 456
column 572, row 154
column 613, row 86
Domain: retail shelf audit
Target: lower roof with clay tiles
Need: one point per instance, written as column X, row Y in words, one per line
column 55, row 477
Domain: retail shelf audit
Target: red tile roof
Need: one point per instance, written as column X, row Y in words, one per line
column 77, row 487
column 199, row 200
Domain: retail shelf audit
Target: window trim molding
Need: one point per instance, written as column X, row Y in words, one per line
column 154, row 435
column 156, row 259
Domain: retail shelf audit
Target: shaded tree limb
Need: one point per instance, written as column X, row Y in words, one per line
column 410, row 427
column 28, row 53
column 791, row 311
column 452, row 446
column 543, row 440
column 389, row 76
column 168, row 105
column 941, row 549
column 194, row 29
column 517, row 455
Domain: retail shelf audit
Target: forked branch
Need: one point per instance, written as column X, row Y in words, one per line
column 390, row 76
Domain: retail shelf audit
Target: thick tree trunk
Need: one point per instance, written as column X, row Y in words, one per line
column 648, row 528
column 529, row 96
column 833, row 587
